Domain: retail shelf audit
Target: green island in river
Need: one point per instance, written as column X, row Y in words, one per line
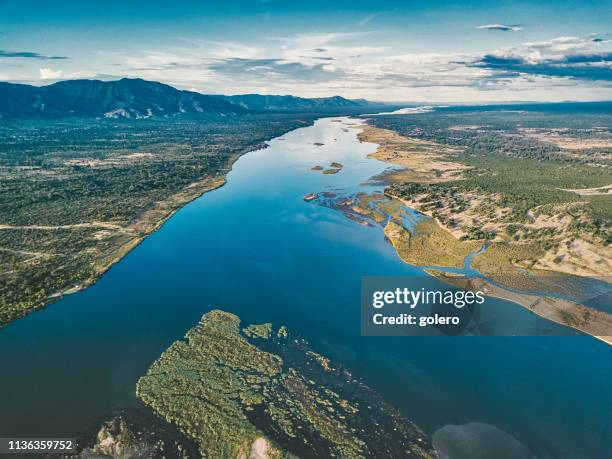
column 258, row 391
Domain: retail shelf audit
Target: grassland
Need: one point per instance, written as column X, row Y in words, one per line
column 429, row 245
column 76, row 195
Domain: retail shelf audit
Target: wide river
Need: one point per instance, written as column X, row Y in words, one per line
column 256, row 248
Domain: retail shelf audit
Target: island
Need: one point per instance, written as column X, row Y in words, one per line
column 261, row 391
column 334, row 168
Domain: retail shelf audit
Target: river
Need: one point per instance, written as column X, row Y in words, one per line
column 256, row 248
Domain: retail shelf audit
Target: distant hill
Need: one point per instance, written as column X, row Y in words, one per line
column 136, row 98
column 263, row 102
column 125, row 98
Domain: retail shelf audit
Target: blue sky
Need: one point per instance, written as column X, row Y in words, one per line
column 432, row 51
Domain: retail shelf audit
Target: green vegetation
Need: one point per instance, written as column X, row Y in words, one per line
column 263, row 393
column 527, row 172
column 536, row 184
column 334, row 168
column 76, row 195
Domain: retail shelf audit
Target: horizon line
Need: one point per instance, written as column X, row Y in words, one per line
column 417, row 103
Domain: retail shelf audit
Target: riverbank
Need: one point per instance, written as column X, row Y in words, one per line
column 584, row 319
column 65, row 245
column 147, row 223
column 131, row 235
column 448, row 237
column 420, row 161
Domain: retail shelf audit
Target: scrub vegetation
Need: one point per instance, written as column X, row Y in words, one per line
column 76, row 195
column 515, row 182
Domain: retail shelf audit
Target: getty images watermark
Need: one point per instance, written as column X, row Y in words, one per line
column 421, row 305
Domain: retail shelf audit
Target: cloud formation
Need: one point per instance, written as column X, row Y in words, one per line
column 356, row 65
column 249, row 69
column 563, row 57
column 587, row 66
column 50, row 74
column 501, row 27
column 29, row 55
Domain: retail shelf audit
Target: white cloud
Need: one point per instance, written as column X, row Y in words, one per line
column 50, row 74
column 227, row 49
column 357, row 65
column 556, row 48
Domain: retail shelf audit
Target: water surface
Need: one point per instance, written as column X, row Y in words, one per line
column 256, row 248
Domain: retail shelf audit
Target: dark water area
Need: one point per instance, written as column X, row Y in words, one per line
column 256, row 248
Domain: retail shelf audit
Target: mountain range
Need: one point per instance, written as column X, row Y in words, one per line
column 137, row 98
column 265, row 102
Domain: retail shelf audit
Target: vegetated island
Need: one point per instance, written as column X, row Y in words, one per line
column 259, row 391
column 78, row 194
column 334, row 168
column 496, row 184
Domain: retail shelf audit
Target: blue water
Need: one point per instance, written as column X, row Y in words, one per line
column 254, row 247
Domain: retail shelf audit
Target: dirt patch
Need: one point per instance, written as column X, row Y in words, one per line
column 578, row 257
column 599, row 191
column 563, row 139
column 259, row 449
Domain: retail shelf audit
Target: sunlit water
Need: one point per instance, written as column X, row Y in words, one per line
column 256, row 248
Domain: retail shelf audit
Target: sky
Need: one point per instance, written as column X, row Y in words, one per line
column 397, row 51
